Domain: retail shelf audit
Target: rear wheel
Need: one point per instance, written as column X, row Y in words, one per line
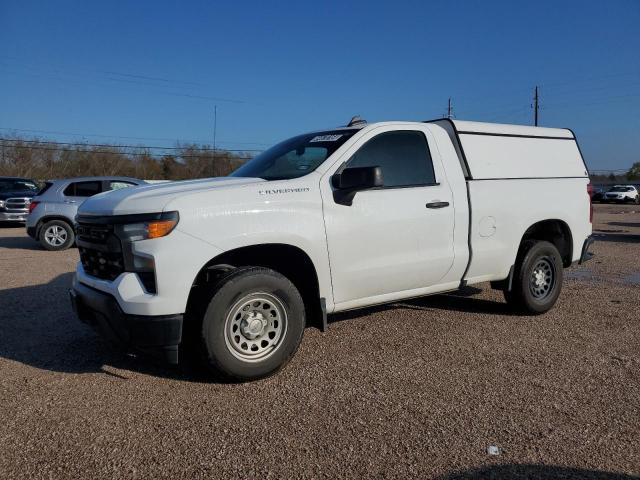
column 56, row 235
column 253, row 324
column 537, row 279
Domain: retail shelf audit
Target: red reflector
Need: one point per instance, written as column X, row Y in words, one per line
column 32, row 206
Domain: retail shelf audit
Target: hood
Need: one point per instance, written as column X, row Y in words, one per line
column 17, row 194
column 153, row 197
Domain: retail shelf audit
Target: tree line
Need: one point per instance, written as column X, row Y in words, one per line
column 43, row 160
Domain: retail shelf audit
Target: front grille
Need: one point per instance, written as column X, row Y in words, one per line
column 105, row 265
column 100, row 251
column 94, row 233
column 17, row 205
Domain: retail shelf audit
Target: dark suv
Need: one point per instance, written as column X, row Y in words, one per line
column 15, row 196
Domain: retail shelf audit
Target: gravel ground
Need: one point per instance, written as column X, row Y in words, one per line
column 417, row 389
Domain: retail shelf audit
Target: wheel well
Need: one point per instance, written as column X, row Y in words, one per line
column 290, row 261
column 556, row 232
column 49, row 218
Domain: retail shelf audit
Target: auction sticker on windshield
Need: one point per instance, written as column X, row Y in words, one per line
column 325, row 138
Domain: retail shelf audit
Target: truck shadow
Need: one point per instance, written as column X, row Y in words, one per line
column 38, row 328
column 538, row 472
column 616, row 237
column 19, row 243
column 458, row 301
column 624, row 224
column 15, row 225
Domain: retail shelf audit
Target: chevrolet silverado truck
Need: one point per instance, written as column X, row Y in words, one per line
column 234, row 268
column 15, row 196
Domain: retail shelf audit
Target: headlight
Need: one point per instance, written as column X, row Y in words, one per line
column 1, row 203
column 149, row 226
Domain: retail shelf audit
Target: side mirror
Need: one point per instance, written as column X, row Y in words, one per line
column 352, row 180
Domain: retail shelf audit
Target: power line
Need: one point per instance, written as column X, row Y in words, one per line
column 571, row 90
column 111, row 152
column 101, row 83
column 108, row 145
column 71, row 74
column 105, row 152
column 56, row 68
column 584, row 79
column 97, row 135
column 585, row 85
column 597, row 101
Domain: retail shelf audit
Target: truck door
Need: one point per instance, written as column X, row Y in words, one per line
column 398, row 237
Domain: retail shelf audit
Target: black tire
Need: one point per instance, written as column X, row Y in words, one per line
column 229, row 352
column 61, row 240
column 530, row 294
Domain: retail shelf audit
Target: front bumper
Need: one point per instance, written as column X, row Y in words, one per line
column 617, row 199
column 13, row 217
column 156, row 335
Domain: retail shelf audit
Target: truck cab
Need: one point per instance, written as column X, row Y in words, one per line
column 328, row 221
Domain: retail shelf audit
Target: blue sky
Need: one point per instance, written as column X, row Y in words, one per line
column 151, row 72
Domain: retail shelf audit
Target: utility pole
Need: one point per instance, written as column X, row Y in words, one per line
column 536, row 105
column 449, row 109
column 215, row 127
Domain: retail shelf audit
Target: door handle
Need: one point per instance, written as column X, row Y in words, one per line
column 437, row 204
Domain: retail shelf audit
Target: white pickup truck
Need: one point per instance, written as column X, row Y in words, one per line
column 328, row 221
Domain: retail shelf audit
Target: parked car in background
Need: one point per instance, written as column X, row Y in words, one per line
column 15, row 195
column 597, row 194
column 52, row 212
column 622, row 193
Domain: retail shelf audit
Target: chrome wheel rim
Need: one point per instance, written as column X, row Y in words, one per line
column 543, row 278
column 255, row 326
column 55, row 235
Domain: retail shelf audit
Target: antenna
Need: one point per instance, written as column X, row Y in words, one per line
column 356, row 121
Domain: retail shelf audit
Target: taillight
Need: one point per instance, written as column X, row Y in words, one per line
column 32, row 206
column 590, row 194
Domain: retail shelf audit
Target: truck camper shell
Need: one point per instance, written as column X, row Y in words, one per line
column 491, row 151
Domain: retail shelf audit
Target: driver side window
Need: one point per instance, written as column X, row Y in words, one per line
column 402, row 155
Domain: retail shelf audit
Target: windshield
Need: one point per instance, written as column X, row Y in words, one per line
column 17, row 185
column 295, row 157
column 621, row 189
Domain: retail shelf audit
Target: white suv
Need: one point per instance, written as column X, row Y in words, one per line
column 622, row 193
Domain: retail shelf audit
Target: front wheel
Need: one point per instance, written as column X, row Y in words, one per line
column 253, row 324
column 537, row 279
